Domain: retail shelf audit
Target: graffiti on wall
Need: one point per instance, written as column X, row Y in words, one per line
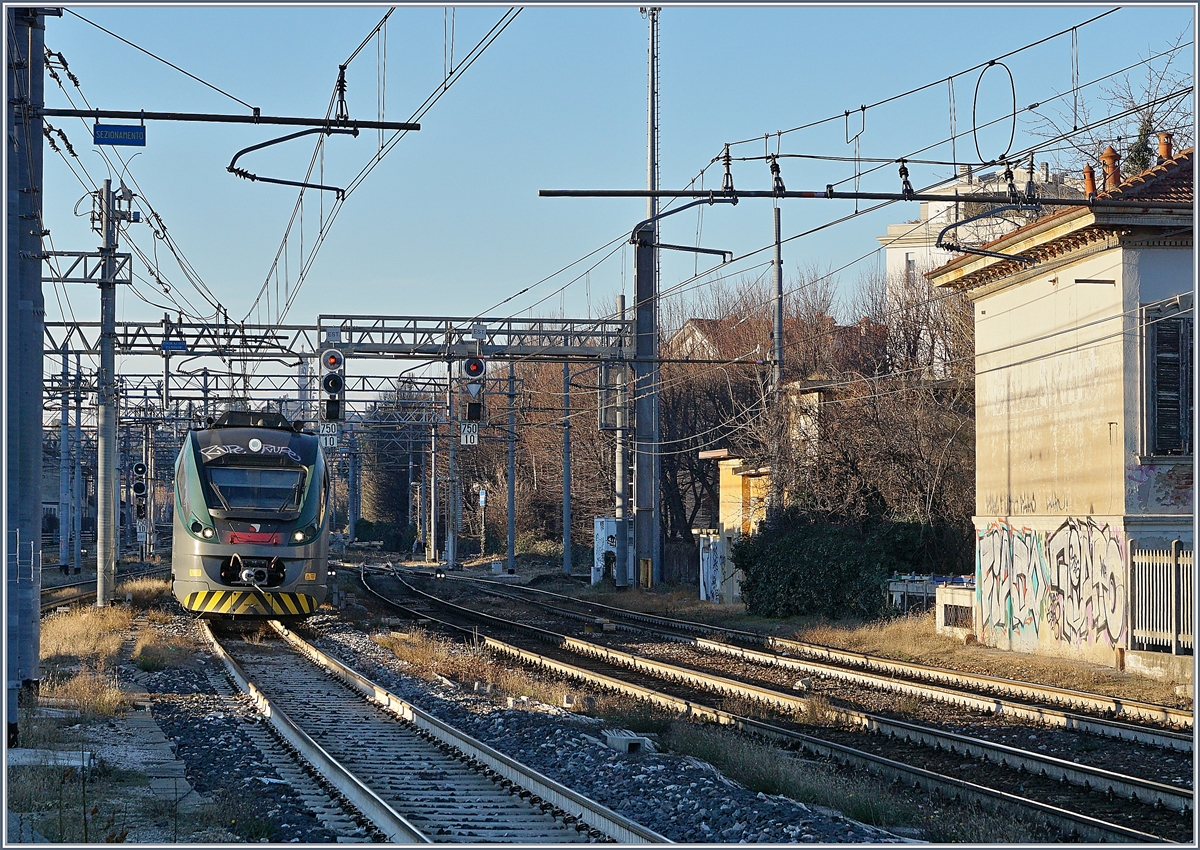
column 1087, row 565
column 1011, row 577
column 1065, row 587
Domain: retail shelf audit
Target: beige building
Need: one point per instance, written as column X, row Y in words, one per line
column 1084, row 413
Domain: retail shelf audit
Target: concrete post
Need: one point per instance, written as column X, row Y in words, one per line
column 512, row 454
column 453, row 497
column 645, row 436
column 621, row 571
column 566, row 494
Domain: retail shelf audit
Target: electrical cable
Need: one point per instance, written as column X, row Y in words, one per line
column 160, row 59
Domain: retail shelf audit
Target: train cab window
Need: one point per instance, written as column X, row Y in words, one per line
column 258, row 488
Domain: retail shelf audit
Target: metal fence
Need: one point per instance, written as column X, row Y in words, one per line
column 1161, row 599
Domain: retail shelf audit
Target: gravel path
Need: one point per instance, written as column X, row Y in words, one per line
column 680, row 797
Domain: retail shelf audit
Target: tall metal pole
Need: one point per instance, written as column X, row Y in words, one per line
column 566, row 495
column 656, row 574
column 777, row 372
column 512, row 466
column 64, row 469
column 106, row 420
column 453, row 497
column 77, row 495
column 408, row 487
column 621, row 570
column 431, row 536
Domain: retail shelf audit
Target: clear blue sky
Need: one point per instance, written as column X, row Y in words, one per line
column 450, row 222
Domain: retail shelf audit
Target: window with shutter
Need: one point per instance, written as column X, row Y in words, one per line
column 1169, row 370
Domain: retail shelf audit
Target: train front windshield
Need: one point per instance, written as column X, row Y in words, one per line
column 279, row 490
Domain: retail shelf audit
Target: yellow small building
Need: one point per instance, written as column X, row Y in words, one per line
column 742, row 505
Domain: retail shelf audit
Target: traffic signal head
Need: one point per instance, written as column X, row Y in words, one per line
column 474, row 367
column 139, row 469
column 333, row 360
column 333, row 383
column 140, row 509
column 474, row 411
column 139, row 488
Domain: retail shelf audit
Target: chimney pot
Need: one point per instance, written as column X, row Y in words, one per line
column 1164, row 147
column 1112, row 168
column 1089, row 180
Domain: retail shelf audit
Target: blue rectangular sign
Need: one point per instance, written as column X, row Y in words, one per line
column 174, row 345
column 119, row 134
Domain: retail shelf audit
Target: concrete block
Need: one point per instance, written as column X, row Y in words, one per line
column 21, row 757
column 624, row 741
column 1160, row 665
column 483, row 688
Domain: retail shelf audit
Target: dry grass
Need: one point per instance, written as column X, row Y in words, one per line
column 771, row 770
column 430, row 656
column 147, row 592
column 153, row 651
column 97, row 695
column 92, row 635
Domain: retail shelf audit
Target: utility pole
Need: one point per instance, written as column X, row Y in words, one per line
column 512, row 467
column 431, row 537
column 777, row 371
column 453, row 500
column 566, row 496
column 64, row 468
column 106, row 408
column 621, row 572
column 77, row 489
column 645, row 442
column 655, row 550
column 23, row 338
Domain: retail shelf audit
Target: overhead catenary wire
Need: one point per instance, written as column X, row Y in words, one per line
column 160, row 59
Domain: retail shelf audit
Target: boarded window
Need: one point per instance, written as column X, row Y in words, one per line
column 1169, row 370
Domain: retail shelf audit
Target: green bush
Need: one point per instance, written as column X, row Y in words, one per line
column 813, row 564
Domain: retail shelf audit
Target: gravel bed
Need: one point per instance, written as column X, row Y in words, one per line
column 207, row 731
column 1125, row 757
column 680, row 797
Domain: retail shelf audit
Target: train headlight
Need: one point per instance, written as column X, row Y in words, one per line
column 298, row 536
column 207, row 534
column 196, row 527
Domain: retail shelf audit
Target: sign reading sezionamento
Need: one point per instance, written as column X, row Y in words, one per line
column 119, row 134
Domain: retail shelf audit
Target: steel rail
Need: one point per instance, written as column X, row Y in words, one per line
column 1049, row 716
column 395, row 826
column 1013, row 687
column 1088, row 828
column 1096, row 779
column 615, row 826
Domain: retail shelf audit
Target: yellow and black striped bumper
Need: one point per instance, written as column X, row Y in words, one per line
column 250, row 603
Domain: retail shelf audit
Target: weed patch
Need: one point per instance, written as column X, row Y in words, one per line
column 96, row 694
column 147, row 592
column 94, row 635
column 154, row 652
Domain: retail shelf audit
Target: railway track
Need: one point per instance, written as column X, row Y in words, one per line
column 78, row 591
column 901, row 678
column 842, row 663
column 1092, row 803
column 414, row 777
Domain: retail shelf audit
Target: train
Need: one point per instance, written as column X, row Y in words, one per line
column 252, row 514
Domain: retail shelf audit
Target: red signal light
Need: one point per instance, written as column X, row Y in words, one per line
column 474, row 367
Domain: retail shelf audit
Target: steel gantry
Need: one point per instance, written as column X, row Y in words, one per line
column 252, row 365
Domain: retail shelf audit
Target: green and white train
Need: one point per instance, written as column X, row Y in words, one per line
column 251, row 530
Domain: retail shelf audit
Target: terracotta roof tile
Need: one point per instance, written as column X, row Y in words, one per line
column 1172, row 181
